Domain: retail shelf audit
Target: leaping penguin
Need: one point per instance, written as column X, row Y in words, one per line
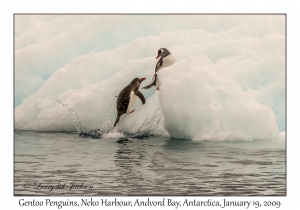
column 166, row 59
column 128, row 96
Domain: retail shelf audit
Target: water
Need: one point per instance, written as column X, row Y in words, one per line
column 150, row 166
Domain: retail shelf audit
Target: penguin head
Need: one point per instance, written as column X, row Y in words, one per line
column 141, row 79
column 163, row 52
column 137, row 81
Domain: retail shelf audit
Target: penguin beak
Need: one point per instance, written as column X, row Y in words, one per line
column 158, row 56
column 144, row 78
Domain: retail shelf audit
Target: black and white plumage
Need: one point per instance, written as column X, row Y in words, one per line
column 128, row 96
column 166, row 59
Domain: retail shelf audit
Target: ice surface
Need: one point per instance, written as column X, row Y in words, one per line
column 200, row 102
column 225, row 85
column 46, row 43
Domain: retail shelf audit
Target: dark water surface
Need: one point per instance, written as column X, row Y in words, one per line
column 150, row 166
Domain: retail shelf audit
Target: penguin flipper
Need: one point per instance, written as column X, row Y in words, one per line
column 152, row 84
column 140, row 95
column 149, row 86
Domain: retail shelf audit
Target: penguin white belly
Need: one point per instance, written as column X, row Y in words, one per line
column 168, row 61
column 133, row 99
column 157, row 82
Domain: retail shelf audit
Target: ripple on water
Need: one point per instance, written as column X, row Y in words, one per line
column 153, row 166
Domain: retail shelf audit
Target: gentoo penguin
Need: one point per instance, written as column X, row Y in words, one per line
column 166, row 59
column 128, row 96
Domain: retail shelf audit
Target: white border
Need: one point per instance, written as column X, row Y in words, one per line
column 154, row 6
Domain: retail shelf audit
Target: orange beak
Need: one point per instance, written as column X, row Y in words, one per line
column 144, row 78
column 158, row 56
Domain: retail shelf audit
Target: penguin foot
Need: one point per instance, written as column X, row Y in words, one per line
column 131, row 111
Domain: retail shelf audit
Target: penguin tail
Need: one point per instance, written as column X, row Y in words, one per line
column 117, row 120
column 152, row 84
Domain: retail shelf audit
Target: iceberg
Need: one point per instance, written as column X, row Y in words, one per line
column 220, row 88
column 200, row 102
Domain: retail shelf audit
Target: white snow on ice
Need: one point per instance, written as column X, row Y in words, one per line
column 202, row 103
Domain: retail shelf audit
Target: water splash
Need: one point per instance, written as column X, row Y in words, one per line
column 106, row 130
column 147, row 129
column 79, row 126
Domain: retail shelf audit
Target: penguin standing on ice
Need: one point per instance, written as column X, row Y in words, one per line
column 128, row 96
column 166, row 59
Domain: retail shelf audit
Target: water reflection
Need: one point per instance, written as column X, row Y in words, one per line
column 152, row 166
column 182, row 145
column 128, row 160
